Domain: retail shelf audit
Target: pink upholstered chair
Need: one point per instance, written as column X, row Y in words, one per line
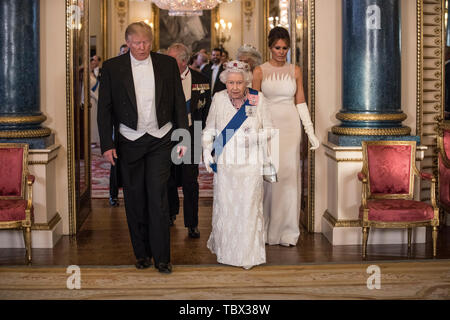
column 16, row 203
column 388, row 190
column 444, row 169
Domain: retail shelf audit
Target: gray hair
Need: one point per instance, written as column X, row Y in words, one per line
column 236, row 67
column 251, row 52
column 183, row 53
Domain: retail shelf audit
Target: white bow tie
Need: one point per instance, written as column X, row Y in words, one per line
column 140, row 63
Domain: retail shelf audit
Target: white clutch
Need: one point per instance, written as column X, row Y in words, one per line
column 269, row 173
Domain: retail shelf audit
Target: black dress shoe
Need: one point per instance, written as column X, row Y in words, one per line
column 143, row 263
column 165, row 267
column 113, row 202
column 193, row 232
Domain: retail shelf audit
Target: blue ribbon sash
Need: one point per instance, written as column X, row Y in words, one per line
column 231, row 127
column 95, row 86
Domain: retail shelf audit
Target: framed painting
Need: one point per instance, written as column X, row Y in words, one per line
column 196, row 32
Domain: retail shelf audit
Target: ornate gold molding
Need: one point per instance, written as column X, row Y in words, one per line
column 47, row 226
column 430, row 77
column 104, row 23
column 371, row 117
column 122, row 10
column 340, row 223
column 155, row 19
column 36, row 133
column 312, row 105
column 351, row 149
column 247, row 8
column 403, row 131
column 344, row 159
column 70, row 106
column 42, row 161
column 22, row 119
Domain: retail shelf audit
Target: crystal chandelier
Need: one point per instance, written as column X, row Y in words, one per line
column 187, row 7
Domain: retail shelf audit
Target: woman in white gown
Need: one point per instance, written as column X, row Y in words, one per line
column 237, row 236
column 281, row 83
column 94, row 84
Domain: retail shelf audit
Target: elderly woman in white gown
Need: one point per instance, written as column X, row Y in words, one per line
column 237, row 128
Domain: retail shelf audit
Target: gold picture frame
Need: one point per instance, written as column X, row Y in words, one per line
column 156, row 17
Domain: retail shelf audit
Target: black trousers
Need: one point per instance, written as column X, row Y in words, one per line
column 145, row 169
column 189, row 183
column 185, row 175
column 113, row 183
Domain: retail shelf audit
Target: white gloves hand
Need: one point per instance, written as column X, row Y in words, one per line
column 208, row 160
column 303, row 111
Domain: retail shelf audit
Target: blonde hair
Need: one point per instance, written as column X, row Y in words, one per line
column 137, row 27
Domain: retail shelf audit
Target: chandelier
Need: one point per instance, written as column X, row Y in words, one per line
column 187, row 7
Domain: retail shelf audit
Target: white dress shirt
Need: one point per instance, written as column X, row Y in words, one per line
column 144, row 85
column 186, row 80
column 215, row 71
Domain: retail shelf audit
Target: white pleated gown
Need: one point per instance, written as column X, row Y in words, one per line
column 282, row 199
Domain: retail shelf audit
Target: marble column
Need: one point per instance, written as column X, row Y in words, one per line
column 371, row 75
column 20, row 115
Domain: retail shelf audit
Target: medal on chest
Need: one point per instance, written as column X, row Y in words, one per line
column 250, row 111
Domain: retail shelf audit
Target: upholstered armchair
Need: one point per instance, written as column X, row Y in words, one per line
column 388, row 190
column 16, row 202
column 444, row 170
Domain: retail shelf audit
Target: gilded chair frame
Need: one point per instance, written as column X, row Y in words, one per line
column 366, row 195
column 26, row 193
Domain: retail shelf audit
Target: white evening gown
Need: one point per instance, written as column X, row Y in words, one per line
column 95, row 137
column 237, row 236
column 282, row 199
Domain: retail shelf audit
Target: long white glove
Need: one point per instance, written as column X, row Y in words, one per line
column 208, row 160
column 303, row 111
column 207, row 142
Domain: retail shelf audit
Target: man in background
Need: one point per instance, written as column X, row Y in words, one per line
column 213, row 70
column 114, row 174
column 198, row 99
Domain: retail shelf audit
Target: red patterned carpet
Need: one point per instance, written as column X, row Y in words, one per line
column 100, row 178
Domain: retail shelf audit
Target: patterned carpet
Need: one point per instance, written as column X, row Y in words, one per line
column 100, row 178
